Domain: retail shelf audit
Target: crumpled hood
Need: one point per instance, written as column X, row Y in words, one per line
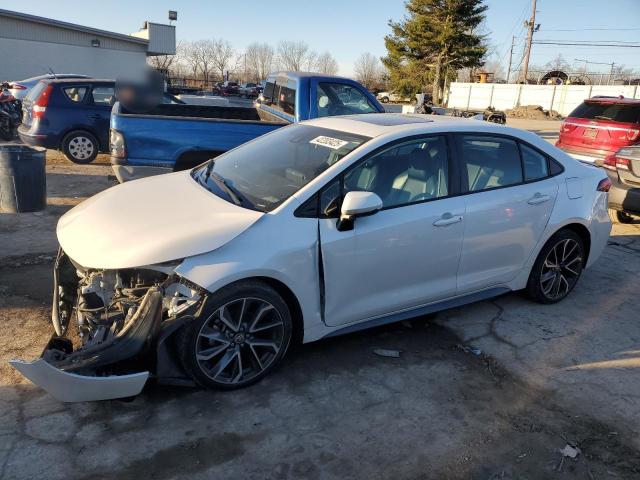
column 148, row 221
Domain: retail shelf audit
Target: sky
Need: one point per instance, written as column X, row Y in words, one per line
column 348, row 28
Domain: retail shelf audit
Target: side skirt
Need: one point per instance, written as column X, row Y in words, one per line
column 423, row 310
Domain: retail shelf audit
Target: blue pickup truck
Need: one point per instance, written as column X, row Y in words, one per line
column 177, row 137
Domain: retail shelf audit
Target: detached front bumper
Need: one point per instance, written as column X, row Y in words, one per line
column 71, row 387
column 99, row 371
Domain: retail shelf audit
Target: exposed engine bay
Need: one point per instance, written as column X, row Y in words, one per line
column 121, row 317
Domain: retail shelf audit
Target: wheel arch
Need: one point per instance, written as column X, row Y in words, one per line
column 292, row 302
column 584, row 234
column 84, row 129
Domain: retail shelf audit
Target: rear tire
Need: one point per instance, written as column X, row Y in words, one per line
column 241, row 336
column 80, row 147
column 620, row 217
column 557, row 269
column 384, row 99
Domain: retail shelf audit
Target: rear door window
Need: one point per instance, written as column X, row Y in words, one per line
column 75, row 94
column 616, row 112
column 489, row 162
column 103, row 95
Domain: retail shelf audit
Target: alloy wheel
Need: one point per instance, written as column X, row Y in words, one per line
column 561, row 269
column 81, row 148
column 240, row 340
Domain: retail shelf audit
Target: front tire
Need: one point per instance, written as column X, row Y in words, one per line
column 242, row 334
column 80, row 147
column 384, row 99
column 557, row 269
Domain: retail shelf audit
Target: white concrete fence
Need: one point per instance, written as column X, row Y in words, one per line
column 561, row 98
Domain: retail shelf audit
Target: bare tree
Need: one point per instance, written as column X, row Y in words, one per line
column 293, row 55
column 187, row 53
column 222, row 56
column 206, row 50
column 327, row 64
column 311, row 61
column 367, row 69
column 259, row 58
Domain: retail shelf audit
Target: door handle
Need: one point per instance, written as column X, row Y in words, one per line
column 447, row 219
column 95, row 117
column 539, row 198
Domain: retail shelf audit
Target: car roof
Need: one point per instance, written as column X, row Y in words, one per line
column 296, row 75
column 614, row 100
column 377, row 124
column 78, row 80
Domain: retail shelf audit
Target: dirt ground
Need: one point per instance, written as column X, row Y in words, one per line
column 493, row 390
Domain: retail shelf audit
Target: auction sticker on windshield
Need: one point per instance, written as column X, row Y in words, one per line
column 330, row 142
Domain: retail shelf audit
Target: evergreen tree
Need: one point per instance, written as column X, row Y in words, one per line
column 436, row 36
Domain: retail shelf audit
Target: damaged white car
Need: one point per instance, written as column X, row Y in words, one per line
column 317, row 229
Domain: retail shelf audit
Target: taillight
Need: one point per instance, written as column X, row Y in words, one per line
column 116, row 144
column 17, row 86
column 609, row 162
column 623, row 163
column 566, row 127
column 604, row 185
column 40, row 105
column 633, row 134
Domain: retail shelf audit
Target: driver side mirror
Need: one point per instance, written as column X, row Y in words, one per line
column 357, row 204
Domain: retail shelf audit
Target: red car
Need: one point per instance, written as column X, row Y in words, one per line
column 599, row 127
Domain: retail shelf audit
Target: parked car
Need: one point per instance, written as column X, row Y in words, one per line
column 248, row 90
column 386, row 97
column 229, row 88
column 70, row 115
column 623, row 169
column 315, row 230
column 599, row 127
column 20, row 88
column 173, row 138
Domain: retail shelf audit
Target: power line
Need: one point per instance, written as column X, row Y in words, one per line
column 575, row 44
column 591, row 29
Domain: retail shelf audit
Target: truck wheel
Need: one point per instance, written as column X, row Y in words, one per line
column 242, row 334
column 80, row 147
column 384, row 99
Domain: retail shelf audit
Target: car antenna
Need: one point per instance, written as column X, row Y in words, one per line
column 53, row 73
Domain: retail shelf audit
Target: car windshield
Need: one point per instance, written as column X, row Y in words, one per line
column 262, row 174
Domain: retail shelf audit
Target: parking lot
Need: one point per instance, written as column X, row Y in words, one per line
column 491, row 390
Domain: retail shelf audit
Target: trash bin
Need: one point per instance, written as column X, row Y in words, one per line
column 23, row 183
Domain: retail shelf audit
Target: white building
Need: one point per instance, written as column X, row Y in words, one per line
column 33, row 45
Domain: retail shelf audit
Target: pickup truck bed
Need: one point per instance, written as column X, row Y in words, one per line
column 177, row 137
column 195, row 134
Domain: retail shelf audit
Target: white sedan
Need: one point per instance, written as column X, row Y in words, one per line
column 317, row 229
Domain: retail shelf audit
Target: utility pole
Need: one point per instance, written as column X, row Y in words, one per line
column 610, row 73
column 531, row 24
column 513, row 41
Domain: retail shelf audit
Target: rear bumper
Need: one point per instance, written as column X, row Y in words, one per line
column 583, row 154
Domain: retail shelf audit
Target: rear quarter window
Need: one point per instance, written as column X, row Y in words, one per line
column 616, row 112
column 75, row 94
